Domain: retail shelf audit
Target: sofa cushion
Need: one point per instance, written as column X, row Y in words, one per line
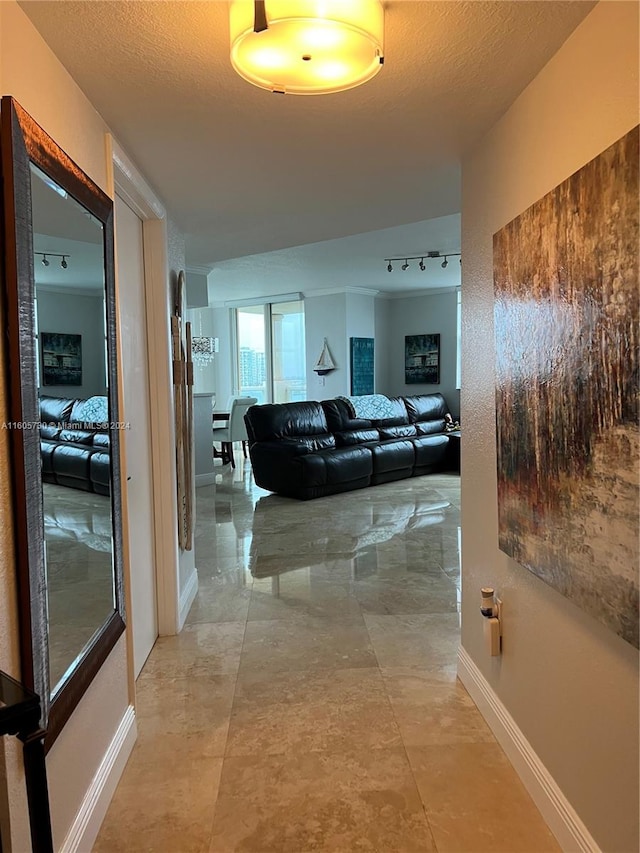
column 76, row 436
column 317, row 442
column 285, row 420
column 340, row 417
column 425, row 407
column 402, row 431
column 331, row 467
column 431, row 451
column 55, row 410
column 351, row 437
column 397, row 455
column 431, row 427
column 102, row 440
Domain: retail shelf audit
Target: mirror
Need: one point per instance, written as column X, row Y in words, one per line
column 59, row 295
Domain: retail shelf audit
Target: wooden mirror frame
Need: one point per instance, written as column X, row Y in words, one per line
column 24, row 142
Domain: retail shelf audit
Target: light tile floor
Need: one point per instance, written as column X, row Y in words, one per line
column 311, row 702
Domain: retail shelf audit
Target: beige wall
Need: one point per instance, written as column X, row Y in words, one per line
column 31, row 73
column 570, row 684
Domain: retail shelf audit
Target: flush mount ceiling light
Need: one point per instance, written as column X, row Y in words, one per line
column 306, row 47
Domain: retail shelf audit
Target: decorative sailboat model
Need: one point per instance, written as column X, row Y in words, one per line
column 325, row 363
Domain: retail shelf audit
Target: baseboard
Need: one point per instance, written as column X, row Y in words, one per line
column 561, row 817
column 186, row 598
column 85, row 828
column 205, row 479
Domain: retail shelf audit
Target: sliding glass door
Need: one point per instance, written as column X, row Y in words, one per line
column 288, row 352
column 270, row 355
column 252, row 352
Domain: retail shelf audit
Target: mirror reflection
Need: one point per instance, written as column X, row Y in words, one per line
column 68, row 246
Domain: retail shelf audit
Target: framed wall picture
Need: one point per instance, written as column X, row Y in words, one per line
column 362, row 373
column 567, row 405
column 61, row 356
column 422, row 359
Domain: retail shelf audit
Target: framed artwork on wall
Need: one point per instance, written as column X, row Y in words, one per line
column 362, row 373
column 567, row 363
column 422, row 359
column 61, row 356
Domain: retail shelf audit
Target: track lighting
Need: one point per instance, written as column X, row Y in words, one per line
column 426, row 255
column 46, row 262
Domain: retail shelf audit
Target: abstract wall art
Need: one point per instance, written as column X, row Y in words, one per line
column 61, row 358
column 362, row 366
column 422, row 359
column 567, row 396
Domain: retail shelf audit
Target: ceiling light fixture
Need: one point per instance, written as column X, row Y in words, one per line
column 426, row 255
column 306, row 47
column 46, row 255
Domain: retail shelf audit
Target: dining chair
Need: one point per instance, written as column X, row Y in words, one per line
column 235, row 429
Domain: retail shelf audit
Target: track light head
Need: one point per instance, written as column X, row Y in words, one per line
column 421, row 264
column 445, row 263
column 45, row 261
column 405, row 265
column 63, row 262
column 389, row 267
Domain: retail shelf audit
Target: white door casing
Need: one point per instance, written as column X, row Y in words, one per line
column 133, row 337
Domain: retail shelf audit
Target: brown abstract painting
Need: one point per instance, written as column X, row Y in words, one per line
column 566, row 321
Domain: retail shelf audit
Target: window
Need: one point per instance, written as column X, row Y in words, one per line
column 270, row 352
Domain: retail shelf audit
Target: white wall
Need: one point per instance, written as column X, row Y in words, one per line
column 224, row 367
column 383, row 337
column 326, row 317
column 569, row 682
column 77, row 314
column 418, row 315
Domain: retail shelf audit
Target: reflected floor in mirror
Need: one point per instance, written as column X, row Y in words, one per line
column 311, row 702
column 77, row 532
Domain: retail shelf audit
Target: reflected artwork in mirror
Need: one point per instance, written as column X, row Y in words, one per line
column 58, row 282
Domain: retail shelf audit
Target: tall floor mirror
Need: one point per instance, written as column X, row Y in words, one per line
column 59, row 301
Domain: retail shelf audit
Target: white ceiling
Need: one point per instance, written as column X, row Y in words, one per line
column 245, row 172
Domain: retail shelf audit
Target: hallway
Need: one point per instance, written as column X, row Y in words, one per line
column 311, row 701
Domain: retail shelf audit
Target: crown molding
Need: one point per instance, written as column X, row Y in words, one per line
column 331, row 291
column 408, row 294
column 198, row 270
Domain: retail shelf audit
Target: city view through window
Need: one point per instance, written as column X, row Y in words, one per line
column 272, row 366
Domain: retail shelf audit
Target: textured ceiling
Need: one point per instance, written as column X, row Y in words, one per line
column 244, row 171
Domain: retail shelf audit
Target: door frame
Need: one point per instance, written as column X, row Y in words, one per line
column 130, row 185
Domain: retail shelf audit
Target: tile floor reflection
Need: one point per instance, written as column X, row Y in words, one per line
column 311, row 702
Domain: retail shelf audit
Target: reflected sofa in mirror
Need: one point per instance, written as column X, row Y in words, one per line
column 58, row 282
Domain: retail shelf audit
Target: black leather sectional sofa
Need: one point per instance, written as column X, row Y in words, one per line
column 74, row 452
column 307, row 450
